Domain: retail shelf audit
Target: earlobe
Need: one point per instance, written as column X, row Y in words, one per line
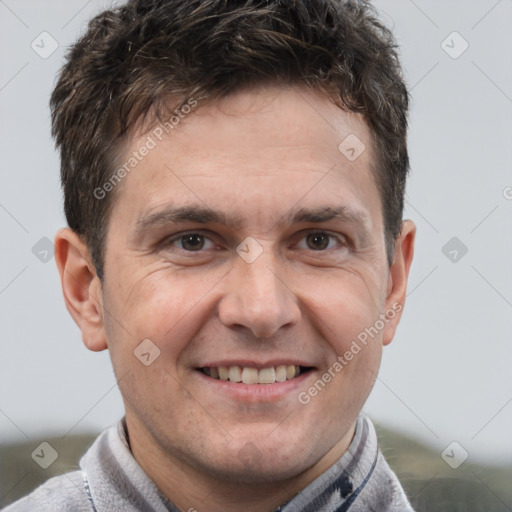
column 398, row 276
column 81, row 288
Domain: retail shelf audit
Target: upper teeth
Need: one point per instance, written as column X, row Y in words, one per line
column 250, row 375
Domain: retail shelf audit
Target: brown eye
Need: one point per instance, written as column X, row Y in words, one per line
column 192, row 242
column 190, row 246
column 318, row 241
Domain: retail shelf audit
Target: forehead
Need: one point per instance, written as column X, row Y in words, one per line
column 261, row 153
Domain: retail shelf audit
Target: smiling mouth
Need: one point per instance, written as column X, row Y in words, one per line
column 251, row 375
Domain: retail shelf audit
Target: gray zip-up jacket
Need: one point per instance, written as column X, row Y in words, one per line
column 110, row 480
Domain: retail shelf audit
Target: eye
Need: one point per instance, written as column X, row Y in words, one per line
column 192, row 242
column 319, row 241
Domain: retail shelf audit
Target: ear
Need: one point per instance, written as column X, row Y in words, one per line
column 81, row 288
column 398, row 275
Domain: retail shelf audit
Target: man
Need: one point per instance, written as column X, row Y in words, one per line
column 234, row 176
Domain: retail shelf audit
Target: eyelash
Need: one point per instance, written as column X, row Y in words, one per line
column 177, row 238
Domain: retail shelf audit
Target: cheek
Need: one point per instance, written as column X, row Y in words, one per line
column 343, row 305
column 165, row 307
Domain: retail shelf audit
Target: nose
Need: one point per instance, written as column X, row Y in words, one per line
column 258, row 298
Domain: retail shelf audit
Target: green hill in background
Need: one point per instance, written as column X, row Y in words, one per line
column 431, row 484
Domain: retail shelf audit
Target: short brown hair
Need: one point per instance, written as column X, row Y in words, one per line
column 135, row 58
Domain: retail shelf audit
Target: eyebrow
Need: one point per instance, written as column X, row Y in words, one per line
column 204, row 215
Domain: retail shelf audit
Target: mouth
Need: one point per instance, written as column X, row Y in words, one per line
column 255, row 375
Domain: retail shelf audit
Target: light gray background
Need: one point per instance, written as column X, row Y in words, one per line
column 446, row 376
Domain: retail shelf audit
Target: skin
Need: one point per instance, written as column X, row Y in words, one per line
column 260, row 155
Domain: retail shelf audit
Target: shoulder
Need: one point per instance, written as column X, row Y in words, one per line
column 65, row 493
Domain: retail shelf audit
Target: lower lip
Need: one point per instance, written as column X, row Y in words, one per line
column 256, row 392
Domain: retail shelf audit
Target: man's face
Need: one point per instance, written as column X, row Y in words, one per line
column 246, row 240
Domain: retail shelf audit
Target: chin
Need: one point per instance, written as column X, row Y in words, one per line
column 258, row 459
